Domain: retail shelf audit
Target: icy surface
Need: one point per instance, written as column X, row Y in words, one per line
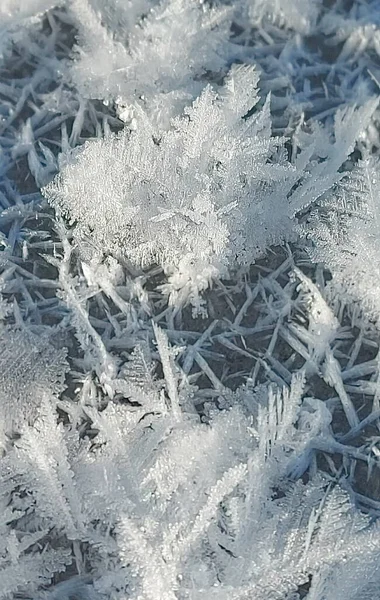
column 189, row 300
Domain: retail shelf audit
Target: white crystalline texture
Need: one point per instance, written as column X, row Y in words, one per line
column 148, row 53
column 13, row 10
column 186, row 199
column 211, row 194
column 299, row 15
column 29, row 367
column 346, row 238
column 17, row 16
column 180, row 522
column 163, row 457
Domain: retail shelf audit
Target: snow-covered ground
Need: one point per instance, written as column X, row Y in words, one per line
column 189, row 299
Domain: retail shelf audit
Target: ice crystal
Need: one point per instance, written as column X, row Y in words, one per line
column 158, row 53
column 345, row 236
column 199, row 199
column 29, row 367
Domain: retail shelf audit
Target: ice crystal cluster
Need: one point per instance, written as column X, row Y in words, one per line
column 189, row 300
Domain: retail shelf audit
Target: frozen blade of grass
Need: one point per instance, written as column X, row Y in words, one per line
column 104, row 363
column 52, row 124
column 333, row 376
column 274, row 337
column 189, row 357
column 231, row 346
column 370, row 505
column 323, row 325
column 362, row 425
column 271, row 374
column 363, row 387
column 4, row 200
column 251, row 297
column 376, row 398
column 295, row 343
column 17, row 109
column 280, row 368
column 232, row 478
column 332, row 446
column 205, row 367
column 355, row 350
column 107, row 286
column 360, row 370
column 166, row 356
column 246, row 331
column 78, row 124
